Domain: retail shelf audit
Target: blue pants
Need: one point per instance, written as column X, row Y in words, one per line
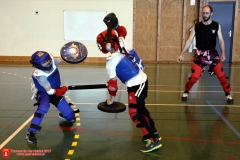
column 43, row 101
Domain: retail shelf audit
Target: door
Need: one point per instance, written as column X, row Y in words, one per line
column 223, row 13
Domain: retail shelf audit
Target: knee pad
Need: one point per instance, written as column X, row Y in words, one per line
column 65, row 109
column 132, row 112
column 136, row 117
column 132, row 98
column 36, row 121
column 142, row 124
column 218, row 70
column 196, row 73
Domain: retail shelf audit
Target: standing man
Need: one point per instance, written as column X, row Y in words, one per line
column 206, row 33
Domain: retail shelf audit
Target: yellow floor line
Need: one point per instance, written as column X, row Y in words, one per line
column 70, row 152
column 74, row 144
column 76, row 136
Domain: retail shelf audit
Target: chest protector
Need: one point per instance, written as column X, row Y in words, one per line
column 129, row 66
column 53, row 78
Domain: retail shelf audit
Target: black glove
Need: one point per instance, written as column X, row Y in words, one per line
column 111, row 17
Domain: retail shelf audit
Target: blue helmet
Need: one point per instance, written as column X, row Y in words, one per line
column 41, row 60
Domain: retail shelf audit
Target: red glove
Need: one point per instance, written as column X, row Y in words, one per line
column 112, row 87
column 122, row 32
column 61, row 91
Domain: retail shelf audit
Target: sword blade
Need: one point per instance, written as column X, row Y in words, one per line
column 90, row 86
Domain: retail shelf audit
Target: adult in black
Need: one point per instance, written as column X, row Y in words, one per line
column 206, row 33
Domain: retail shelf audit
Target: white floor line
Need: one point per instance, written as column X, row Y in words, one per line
column 224, row 119
column 16, row 132
column 150, row 90
column 194, row 105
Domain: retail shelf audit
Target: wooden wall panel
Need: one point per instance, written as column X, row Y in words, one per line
column 192, row 16
column 236, row 40
column 176, row 17
column 26, row 59
column 164, row 42
column 171, row 29
column 145, row 28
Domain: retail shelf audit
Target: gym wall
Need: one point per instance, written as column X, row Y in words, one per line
column 157, row 29
column 31, row 25
column 161, row 28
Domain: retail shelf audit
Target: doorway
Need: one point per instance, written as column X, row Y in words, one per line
column 223, row 13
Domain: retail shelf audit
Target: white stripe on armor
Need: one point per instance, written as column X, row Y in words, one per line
column 33, row 89
column 139, row 91
column 122, row 42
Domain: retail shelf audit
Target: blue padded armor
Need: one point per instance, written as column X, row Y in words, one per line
column 54, row 80
column 44, row 105
column 129, row 66
column 136, row 60
column 66, row 110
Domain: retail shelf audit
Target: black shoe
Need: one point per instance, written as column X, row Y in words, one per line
column 77, row 111
column 150, row 146
column 156, row 137
column 30, row 137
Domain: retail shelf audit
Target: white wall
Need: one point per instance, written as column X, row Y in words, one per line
column 23, row 32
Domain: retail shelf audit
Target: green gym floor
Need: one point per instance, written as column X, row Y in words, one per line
column 203, row 128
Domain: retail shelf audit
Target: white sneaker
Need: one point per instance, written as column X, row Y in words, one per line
column 184, row 96
column 229, row 99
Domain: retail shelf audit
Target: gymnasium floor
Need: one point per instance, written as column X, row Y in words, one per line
column 204, row 128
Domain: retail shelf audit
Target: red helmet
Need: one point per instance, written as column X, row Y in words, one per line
column 102, row 41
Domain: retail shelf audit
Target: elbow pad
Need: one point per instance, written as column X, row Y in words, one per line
column 122, row 32
column 112, row 87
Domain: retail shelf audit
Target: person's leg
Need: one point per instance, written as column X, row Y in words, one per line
column 196, row 73
column 137, row 117
column 218, row 70
column 134, row 109
column 43, row 102
column 145, row 113
column 63, row 106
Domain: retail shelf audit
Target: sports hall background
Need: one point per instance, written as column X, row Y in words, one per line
column 204, row 128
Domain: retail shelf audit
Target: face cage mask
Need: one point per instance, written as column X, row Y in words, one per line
column 47, row 67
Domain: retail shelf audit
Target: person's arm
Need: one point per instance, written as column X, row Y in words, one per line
column 112, row 82
column 112, row 89
column 42, row 80
column 187, row 44
column 221, row 43
column 58, row 60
